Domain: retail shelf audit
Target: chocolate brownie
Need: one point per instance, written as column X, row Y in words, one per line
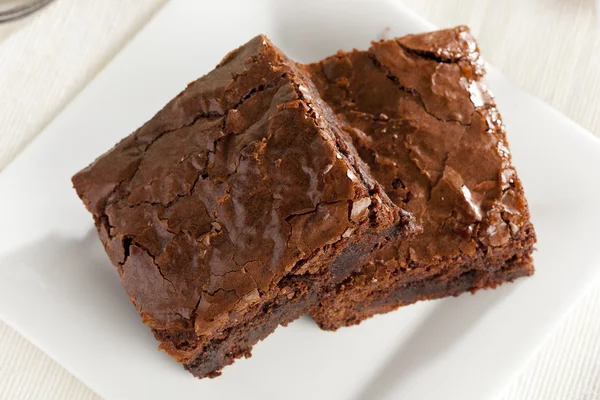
column 428, row 127
column 233, row 209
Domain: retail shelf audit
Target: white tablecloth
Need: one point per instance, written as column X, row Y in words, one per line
column 550, row 47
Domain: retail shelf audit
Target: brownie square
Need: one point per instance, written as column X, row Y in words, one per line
column 235, row 207
column 428, row 127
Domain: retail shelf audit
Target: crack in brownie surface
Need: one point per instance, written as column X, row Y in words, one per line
column 427, row 126
column 235, row 208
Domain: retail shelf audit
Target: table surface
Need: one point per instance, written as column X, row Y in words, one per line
column 549, row 47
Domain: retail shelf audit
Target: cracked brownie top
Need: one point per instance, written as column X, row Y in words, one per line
column 429, row 129
column 243, row 178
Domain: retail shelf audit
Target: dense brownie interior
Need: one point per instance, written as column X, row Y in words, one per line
column 429, row 129
column 226, row 212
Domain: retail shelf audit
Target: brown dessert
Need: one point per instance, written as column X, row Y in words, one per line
column 428, row 127
column 234, row 208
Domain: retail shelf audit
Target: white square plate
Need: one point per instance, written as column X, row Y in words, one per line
column 58, row 288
